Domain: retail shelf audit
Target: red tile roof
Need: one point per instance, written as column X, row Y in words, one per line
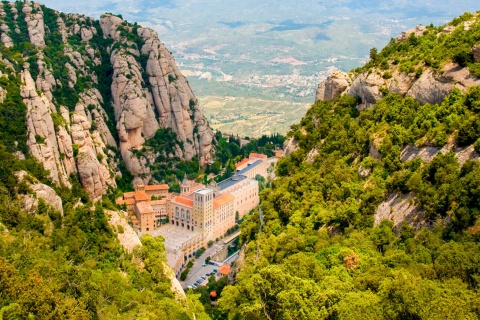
column 222, row 200
column 258, row 155
column 141, row 196
column 156, row 187
column 183, row 201
column 127, row 202
column 242, row 163
column 224, row 269
column 143, row 208
column 158, row 202
column 127, row 195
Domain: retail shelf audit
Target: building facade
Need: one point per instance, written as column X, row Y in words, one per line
column 255, row 164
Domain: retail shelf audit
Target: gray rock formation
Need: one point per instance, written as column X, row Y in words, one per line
column 427, row 154
column 400, row 209
column 428, row 87
column 40, row 190
column 42, row 140
column 367, row 88
column 335, row 84
column 68, row 120
column 417, row 31
column 36, row 26
column 476, row 53
column 168, row 102
column 92, row 166
column 290, row 146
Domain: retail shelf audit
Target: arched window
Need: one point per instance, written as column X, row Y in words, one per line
column 176, row 211
column 177, row 223
column 173, row 222
column 188, row 214
column 183, row 213
column 188, row 227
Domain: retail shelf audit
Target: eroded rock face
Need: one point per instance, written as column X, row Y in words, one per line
column 36, row 26
column 93, row 169
column 400, row 209
column 174, row 100
column 42, row 140
column 289, row 146
column 40, row 191
column 463, row 154
column 333, row 86
column 166, row 101
column 417, row 31
column 476, row 53
column 367, row 88
column 72, row 128
column 128, row 238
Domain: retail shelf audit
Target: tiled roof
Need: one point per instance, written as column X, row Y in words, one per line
column 127, row 195
column 143, row 208
column 129, row 201
column 158, row 202
column 222, row 200
column 141, row 196
column 156, row 187
column 224, row 269
column 258, row 155
column 183, row 201
column 241, row 163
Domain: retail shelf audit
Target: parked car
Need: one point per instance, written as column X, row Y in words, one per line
column 204, row 265
column 215, row 271
column 189, row 287
column 212, row 263
column 194, row 286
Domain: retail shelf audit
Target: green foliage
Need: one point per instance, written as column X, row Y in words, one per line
column 320, row 256
column 432, row 49
column 70, row 265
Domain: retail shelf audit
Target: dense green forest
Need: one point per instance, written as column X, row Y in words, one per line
column 319, row 254
column 70, row 265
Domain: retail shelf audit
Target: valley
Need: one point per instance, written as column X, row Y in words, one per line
column 115, row 176
column 274, row 50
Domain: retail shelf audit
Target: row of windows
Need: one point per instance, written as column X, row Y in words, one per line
column 181, row 213
column 183, row 225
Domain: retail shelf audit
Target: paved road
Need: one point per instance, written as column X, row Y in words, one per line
column 198, row 270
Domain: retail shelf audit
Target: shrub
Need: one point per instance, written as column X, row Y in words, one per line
column 120, row 229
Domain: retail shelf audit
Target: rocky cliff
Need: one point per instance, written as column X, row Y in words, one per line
column 95, row 92
column 426, row 76
column 433, row 66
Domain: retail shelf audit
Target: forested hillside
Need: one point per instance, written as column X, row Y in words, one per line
column 73, row 99
column 327, row 249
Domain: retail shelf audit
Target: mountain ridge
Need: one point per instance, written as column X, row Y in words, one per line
column 111, row 87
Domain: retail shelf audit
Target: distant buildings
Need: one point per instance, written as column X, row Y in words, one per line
column 255, row 164
column 199, row 214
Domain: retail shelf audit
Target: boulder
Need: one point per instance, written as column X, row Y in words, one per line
column 40, row 191
column 476, row 53
column 335, row 84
